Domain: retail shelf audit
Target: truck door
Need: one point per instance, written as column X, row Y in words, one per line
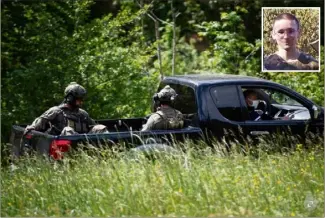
column 284, row 113
column 223, row 111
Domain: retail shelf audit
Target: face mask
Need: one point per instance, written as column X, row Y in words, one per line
column 254, row 103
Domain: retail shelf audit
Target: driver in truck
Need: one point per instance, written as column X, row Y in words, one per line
column 67, row 118
column 253, row 103
column 257, row 109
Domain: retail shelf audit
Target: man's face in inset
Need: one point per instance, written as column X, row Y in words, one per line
column 286, row 33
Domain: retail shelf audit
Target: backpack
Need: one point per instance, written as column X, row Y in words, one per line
column 171, row 122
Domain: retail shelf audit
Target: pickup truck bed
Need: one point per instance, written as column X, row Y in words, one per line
column 125, row 131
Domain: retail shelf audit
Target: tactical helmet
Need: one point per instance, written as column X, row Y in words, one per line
column 73, row 92
column 167, row 94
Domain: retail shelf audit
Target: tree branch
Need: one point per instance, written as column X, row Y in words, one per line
column 174, row 37
column 159, row 49
column 157, row 33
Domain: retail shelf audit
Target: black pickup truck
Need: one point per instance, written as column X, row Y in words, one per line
column 214, row 105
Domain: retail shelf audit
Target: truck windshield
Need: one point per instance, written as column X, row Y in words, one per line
column 185, row 101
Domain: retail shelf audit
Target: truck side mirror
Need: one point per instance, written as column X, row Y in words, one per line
column 315, row 112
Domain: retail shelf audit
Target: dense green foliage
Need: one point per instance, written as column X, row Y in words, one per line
column 107, row 56
column 112, row 51
column 192, row 183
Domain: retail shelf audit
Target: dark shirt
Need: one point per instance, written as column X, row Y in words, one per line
column 253, row 115
column 304, row 62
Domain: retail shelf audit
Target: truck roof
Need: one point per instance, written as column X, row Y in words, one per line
column 201, row 79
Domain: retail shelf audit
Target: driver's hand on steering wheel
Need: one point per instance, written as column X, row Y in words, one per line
column 288, row 116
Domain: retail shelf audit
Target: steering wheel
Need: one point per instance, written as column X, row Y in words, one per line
column 262, row 96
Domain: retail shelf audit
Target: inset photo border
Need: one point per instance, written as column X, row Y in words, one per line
column 291, row 39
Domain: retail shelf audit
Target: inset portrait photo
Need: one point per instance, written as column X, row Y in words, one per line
column 290, row 39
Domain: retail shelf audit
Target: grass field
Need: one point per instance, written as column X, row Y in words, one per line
column 191, row 183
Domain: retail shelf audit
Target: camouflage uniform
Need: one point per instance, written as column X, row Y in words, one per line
column 304, row 62
column 62, row 120
column 165, row 117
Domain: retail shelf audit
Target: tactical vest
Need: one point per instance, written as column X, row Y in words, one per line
column 76, row 120
column 171, row 122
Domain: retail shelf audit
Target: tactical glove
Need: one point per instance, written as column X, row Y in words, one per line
column 28, row 129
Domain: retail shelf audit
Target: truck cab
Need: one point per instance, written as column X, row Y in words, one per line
column 219, row 106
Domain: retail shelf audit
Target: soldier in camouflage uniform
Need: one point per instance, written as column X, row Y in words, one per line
column 67, row 118
column 286, row 31
column 166, row 117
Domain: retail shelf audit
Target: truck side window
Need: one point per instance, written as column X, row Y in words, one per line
column 227, row 102
column 278, row 105
column 185, row 101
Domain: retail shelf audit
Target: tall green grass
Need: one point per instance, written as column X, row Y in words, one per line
column 205, row 182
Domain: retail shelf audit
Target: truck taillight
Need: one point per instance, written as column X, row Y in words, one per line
column 58, row 147
column 28, row 136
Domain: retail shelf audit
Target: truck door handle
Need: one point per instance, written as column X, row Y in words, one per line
column 259, row 132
